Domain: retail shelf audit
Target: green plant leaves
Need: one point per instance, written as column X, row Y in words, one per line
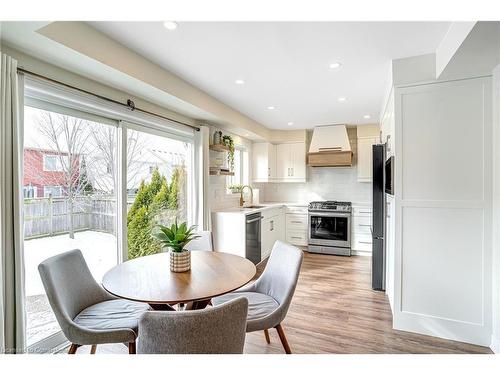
column 175, row 237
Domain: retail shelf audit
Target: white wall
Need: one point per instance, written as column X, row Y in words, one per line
column 495, row 338
column 322, row 184
column 443, row 193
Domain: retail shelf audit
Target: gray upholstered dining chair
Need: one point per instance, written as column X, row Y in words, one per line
column 218, row 330
column 87, row 314
column 204, row 242
column 269, row 297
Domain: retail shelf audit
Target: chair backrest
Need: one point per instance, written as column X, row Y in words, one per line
column 217, row 330
column 70, row 286
column 280, row 276
column 202, row 243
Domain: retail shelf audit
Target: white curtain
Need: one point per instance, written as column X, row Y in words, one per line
column 202, row 208
column 12, row 311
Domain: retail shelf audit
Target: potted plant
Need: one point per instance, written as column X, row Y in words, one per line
column 235, row 189
column 175, row 239
column 227, row 140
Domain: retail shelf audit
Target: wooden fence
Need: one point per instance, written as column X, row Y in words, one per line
column 49, row 216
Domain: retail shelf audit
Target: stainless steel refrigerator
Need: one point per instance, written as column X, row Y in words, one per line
column 378, row 220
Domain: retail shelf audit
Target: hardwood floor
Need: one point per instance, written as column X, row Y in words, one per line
column 334, row 310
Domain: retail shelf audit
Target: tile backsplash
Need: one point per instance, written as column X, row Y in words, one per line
column 322, row 184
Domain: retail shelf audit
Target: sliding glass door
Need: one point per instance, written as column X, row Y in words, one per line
column 98, row 185
column 69, row 188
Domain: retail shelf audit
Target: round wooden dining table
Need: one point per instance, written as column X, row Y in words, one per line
column 149, row 279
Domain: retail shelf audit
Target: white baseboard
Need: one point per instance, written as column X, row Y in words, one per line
column 495, row 344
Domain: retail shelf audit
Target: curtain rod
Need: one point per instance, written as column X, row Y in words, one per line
column 130, row 104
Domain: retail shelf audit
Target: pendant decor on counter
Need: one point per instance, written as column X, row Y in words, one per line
column 217, row 137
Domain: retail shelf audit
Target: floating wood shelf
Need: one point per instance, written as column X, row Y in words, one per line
column 219, row 148
column 221, row 173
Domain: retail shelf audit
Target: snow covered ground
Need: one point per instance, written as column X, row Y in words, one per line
column 100, row 252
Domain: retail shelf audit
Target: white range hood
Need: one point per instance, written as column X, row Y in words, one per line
column 330, row 147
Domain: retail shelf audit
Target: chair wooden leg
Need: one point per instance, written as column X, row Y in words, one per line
column 93, row 348
column 72, row 349
column 266, row 333
column 131, row 347
column 282, row 336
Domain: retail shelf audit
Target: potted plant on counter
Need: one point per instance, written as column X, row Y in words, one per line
column 175, row 239
column 235, row 189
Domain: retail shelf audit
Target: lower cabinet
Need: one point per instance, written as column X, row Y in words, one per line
column 297, row 226
column 273, row 229
column 361, row 236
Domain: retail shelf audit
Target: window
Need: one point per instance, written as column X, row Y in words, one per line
column 159, row 171
column 52, row 191
column 54, row 163
column 240, row 168
column 30, row 191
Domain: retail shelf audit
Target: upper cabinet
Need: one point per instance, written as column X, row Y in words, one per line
column 368, row 135
column 365, row 168
column 284, row 162
column 291, row 162
column 263, row 162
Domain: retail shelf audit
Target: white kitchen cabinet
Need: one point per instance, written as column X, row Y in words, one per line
column 273, row 229
column 263, row 162
column 390, row 250
column 365, row 168
column 361, row 236
column 297, row 225
column 291, row 162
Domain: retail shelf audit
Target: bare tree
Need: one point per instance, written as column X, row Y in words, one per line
column 103, row 174
column 67, row 136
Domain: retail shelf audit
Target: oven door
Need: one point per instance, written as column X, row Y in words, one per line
column 330, row 228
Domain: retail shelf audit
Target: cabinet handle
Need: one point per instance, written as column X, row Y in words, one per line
column 365, row 242
column 365, row 212
column 296, row 221
column 268, row 172
column 364, row 225
column 296, row 238
column 272, row 225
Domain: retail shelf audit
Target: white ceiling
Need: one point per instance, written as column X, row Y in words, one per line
column 284, row 64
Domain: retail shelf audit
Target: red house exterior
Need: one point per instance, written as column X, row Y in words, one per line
column 43, row 173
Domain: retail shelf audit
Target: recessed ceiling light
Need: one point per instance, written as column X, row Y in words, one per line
column 367, row 116
column 170, row 25
column 342, row 99
column 335, row 65
column 239, row 82
column 271, row 108
column 290, row 123
column 247, row 135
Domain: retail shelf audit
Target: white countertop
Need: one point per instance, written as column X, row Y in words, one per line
column 268, row 205
column 259, row 207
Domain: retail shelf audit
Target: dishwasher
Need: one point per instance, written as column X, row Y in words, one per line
column 252, row 242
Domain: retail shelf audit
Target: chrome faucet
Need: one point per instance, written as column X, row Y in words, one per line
column 241, row 194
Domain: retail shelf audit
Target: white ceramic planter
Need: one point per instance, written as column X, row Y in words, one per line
column 180, row 262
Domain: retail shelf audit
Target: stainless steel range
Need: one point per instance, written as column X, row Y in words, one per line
column 330, row 227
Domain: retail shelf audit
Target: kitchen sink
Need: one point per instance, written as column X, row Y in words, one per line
column 253, row 207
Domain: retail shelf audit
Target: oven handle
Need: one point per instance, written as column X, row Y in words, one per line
column 330, row 214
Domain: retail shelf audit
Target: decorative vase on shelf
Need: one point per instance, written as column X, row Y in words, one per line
column 180, row 262
column 217, row 137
